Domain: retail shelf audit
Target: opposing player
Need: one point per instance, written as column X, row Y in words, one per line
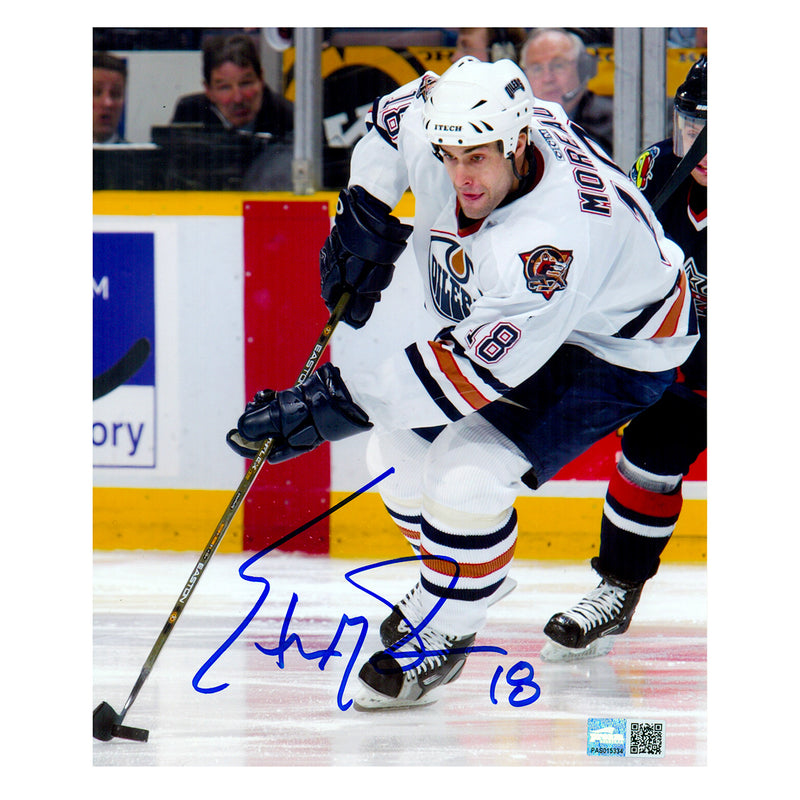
column 644, row 496
column 564, row 312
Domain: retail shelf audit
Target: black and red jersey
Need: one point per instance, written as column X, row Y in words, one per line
column 684, row 217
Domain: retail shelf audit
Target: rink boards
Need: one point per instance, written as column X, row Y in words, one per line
column 226, row 286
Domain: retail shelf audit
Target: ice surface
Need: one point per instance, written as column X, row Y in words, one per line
column 283, row 709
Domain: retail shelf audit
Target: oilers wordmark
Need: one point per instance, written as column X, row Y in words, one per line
column 449, row 271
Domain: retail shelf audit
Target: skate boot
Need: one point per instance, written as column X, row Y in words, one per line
column 606, row 611
column 413, row 673
column 409, row 613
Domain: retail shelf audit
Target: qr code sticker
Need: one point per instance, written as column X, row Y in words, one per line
column 645, row 738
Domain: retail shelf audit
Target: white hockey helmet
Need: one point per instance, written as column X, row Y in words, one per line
column 477, row 102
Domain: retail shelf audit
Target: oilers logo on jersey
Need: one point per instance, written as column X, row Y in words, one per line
column 546, row 269
column 449, row 270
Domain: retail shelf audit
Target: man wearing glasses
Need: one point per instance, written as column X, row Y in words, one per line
column 559, row 68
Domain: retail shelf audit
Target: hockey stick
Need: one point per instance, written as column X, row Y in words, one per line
column 693, row 157
column 123, row 370
column 106, row 722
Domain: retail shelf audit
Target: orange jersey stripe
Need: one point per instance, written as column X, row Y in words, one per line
column 447, row 364
column 670, row 323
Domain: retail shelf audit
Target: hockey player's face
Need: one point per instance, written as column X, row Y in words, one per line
column 685, row 130
column 481, row 176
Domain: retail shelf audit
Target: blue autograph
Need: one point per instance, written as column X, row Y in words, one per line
column 289, row 639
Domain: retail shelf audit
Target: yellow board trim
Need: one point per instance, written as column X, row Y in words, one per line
column 550, row 528
column 162, row 519
column 209, row 204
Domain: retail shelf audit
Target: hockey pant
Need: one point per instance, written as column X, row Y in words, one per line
column 453, row 499
column 644, row 496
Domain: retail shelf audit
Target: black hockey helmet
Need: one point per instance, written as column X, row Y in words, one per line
column 691, row 98
column 691, row 108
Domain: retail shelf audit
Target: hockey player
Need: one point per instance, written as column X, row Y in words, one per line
column 644, row 496
column 564, row 311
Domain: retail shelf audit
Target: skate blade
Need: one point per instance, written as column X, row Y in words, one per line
column 555, row 652
column 369, row 700
column 506, row 587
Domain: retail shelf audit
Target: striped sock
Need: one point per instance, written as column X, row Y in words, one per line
column 636, row 527
column 480, row 557
column 410, row 524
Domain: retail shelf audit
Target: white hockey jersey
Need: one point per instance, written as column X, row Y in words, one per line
column 580, row 259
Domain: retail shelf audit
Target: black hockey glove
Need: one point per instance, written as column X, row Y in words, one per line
column 300, row 419
column 359, row 255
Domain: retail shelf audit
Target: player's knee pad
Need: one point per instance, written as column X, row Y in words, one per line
column 405, row 452
column 472, row 469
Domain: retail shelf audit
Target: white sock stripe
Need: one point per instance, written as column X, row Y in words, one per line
column 649, row 531
column 663, row 484
column 464, row 556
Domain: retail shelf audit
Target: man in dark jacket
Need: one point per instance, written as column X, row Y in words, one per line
column 235, row 95
column 559, row 67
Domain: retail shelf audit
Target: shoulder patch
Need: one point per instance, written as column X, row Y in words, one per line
column 642, row 171
column 427, row 82
column 546, row 269
column 387, row 111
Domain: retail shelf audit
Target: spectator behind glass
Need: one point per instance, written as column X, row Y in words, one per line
column 488, row 44
column 687, row 37
column 235, row 96
column 559, row 68
column 109, row 76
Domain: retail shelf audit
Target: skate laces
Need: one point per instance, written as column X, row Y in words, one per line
column 435, row 646
column 599, row 606
column 411, row 609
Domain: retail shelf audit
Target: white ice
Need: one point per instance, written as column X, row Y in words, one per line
column 290, row 715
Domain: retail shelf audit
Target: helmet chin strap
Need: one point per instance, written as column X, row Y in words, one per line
column 530, row 174
column 525, row 180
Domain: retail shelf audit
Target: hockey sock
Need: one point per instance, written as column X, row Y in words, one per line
column 637, row 525
column 464, row 566
column 409, row 523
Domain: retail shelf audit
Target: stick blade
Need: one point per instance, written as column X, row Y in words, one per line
column 104, row 719
column 134, row 734
column 106, row 726
column 123, row 370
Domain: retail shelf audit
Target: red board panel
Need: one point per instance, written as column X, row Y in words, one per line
column 283, row 317
column 597, row 463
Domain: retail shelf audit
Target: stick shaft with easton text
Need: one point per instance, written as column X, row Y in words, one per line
column 113, row 721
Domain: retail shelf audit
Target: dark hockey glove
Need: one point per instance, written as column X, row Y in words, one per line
column 359, row 255
column 299, row 419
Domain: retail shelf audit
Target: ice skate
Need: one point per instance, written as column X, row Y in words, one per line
column 580, row 632
column 396, row 626
column 553, row 651
column 413, row 673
